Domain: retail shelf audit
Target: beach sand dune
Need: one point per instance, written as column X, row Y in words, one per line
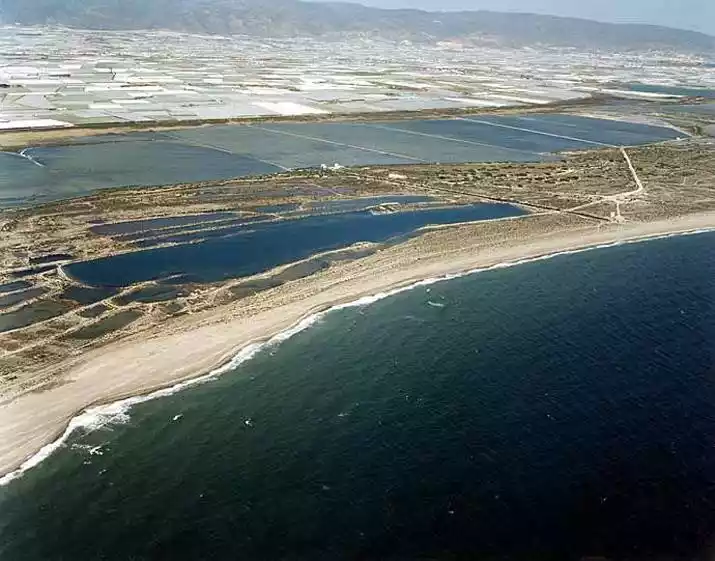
column 190, row 346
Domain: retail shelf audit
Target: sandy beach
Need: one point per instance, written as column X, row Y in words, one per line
column 193, row 345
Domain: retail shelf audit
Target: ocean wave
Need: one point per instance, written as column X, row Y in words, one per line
column 117, row 412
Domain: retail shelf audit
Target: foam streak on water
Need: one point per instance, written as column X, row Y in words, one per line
column 118, row 412
column 25, row 155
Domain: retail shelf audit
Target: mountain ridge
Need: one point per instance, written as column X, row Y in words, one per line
column 292, row 18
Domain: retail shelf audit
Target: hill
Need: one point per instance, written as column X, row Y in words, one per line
column 280, row 18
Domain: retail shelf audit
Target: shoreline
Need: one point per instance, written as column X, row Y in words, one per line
column 109, row 380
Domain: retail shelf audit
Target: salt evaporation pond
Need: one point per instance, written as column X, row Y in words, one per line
column 227, row 151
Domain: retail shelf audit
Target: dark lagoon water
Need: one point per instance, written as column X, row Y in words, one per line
column 35, row 312
column 149, row 224
column 278, row 209
column 557, row 410
column 349, row 205
column 248, row 249
column 13, row 286
column 17, row 297
column 193, row 232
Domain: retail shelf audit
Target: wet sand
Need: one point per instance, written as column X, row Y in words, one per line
column 193, row 345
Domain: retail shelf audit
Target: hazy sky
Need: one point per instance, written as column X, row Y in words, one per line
column 688, row 14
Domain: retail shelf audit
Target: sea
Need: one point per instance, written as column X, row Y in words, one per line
column 561, row 409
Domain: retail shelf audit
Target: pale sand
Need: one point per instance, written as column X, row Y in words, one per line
column 193, row 345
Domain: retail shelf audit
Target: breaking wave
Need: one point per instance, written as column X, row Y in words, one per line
column 117, row 412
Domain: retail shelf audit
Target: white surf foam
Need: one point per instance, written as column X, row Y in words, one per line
column 118, row 412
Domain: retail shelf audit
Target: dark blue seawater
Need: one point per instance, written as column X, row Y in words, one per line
column 558, row 410
column 248, row 249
